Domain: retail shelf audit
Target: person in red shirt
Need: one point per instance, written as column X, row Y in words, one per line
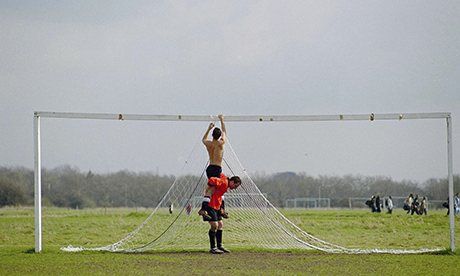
column 219, row 185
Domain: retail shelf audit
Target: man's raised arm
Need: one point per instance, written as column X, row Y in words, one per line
column 222, row 126
column 205, row 136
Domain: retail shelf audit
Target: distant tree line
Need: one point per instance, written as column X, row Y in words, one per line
column 69, row 187
column 339, row 189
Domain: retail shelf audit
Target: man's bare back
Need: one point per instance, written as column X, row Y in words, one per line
column 215, row 147
column 215, row 151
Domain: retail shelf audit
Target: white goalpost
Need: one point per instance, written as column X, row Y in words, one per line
column 288, row 234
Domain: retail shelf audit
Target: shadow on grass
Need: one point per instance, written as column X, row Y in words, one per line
column 29, row 251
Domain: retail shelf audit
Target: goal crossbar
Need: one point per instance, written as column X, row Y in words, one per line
column 245, row 118
column 232, row 118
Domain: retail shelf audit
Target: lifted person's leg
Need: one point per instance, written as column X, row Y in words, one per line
column 204, row 205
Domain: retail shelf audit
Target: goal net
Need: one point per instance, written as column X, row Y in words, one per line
column 254, row 222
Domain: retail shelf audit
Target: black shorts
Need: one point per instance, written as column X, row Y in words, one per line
column 214, row 214
column 213, row 171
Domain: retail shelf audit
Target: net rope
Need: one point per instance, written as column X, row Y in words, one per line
column 254, row 222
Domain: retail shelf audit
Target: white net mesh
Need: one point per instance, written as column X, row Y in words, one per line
column 254, row 222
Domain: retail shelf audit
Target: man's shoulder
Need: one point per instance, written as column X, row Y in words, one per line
column 217, row 142
column 217, row 181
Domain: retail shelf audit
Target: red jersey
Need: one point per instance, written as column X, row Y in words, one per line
column 221, row 186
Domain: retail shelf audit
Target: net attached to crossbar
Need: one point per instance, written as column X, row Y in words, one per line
column 254, row 222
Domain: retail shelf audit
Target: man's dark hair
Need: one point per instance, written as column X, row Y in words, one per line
column 236, row 180
column 216, row 133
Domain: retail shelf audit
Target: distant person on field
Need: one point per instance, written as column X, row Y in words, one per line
column 415, row 205
column 446, row 205
column 377, row 204
column 423, row 206
column 390, row 205
column 408, row 203
column 371, row 203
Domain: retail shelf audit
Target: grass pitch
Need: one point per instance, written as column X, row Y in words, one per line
column 353, row 228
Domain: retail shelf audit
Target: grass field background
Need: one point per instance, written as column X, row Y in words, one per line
column 352, row 228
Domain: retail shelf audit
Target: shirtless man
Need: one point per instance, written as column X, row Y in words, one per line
column 215, row 148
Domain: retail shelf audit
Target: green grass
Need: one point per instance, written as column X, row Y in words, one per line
column 354, row 228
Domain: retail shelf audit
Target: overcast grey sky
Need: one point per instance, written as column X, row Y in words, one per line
column 235, row 58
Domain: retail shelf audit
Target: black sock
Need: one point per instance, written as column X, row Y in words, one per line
column 212, row 238
column 219, row 238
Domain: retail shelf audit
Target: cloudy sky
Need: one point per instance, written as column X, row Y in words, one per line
column 235, row 58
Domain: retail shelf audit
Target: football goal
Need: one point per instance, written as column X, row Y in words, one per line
column 307, row 202
column 255, row 222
